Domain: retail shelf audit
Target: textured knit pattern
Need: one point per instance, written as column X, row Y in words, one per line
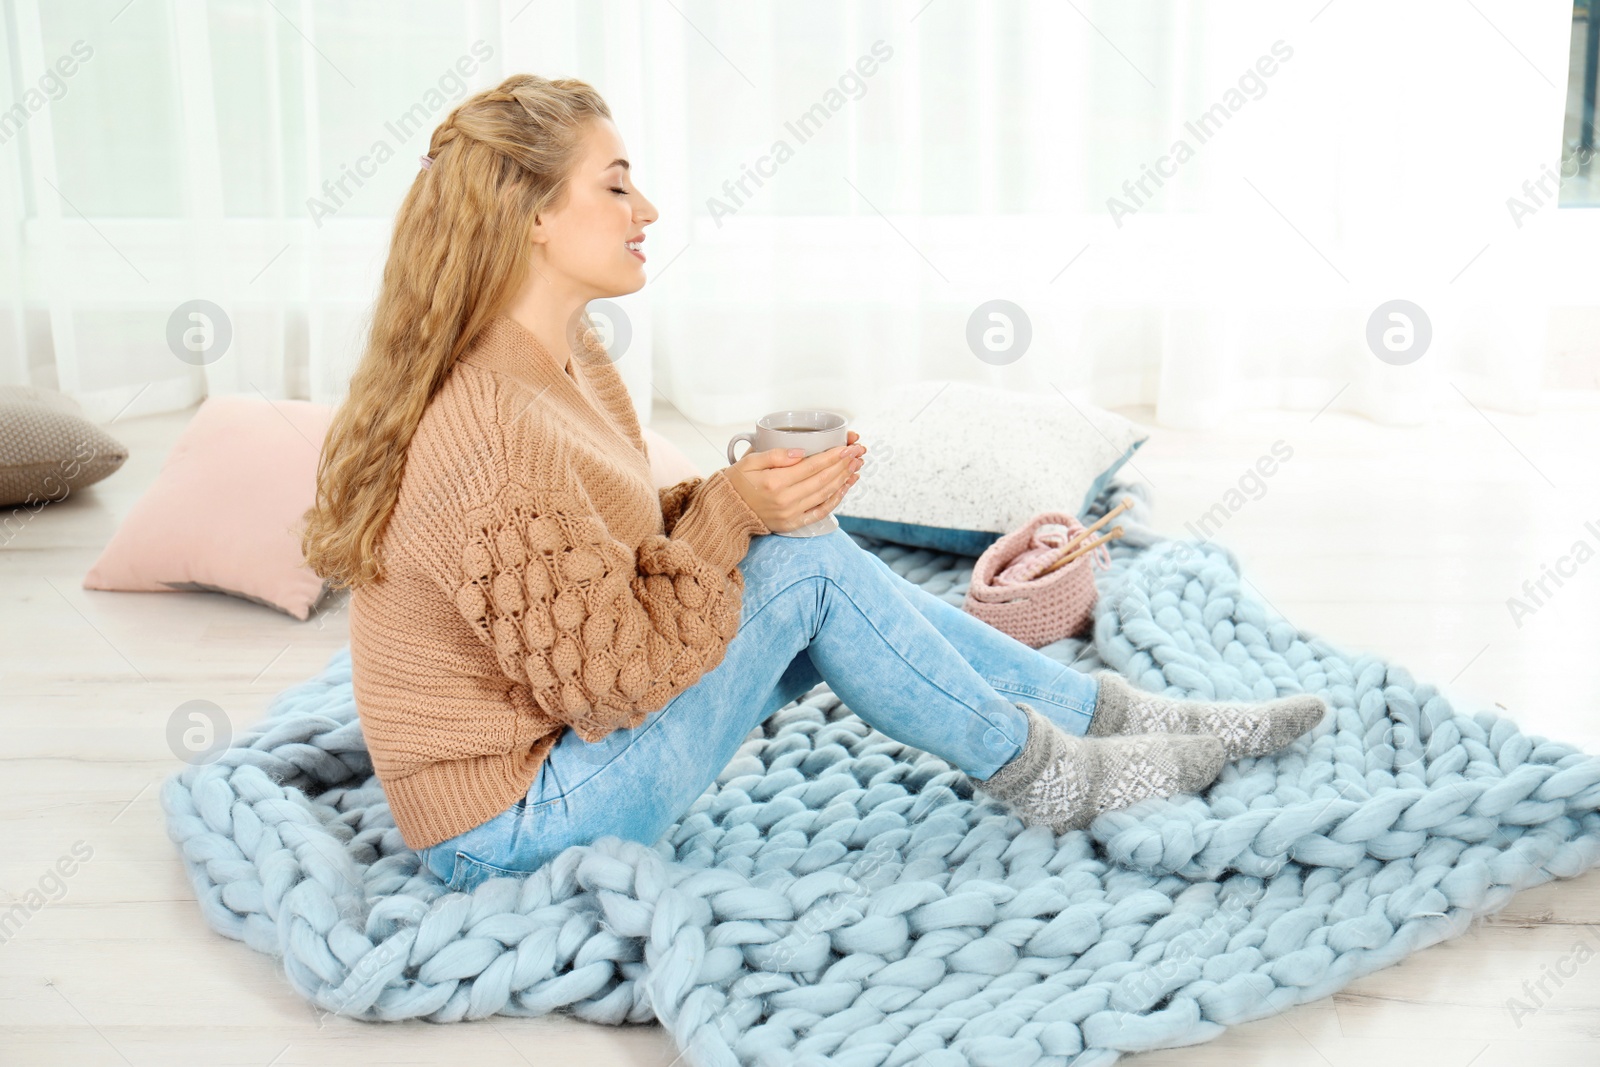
column 1243, row 729
column 536, row 581
column 1063, row 782
column 838, row 897
column 1038, row 611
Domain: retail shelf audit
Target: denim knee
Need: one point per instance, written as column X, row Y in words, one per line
column 774, row 555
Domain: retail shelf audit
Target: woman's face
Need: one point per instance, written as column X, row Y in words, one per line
column 583, row 244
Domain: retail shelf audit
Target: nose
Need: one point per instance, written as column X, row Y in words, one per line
column 648, row 214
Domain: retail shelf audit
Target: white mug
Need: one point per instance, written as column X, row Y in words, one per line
column 811, row 429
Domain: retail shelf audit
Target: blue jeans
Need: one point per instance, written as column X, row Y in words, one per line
column 913, row 666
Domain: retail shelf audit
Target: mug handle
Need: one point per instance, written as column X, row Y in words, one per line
column 748, row 437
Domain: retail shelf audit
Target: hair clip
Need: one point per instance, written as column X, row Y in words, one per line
column 427, row 163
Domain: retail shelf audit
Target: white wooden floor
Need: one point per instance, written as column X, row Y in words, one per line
column 1407, row 542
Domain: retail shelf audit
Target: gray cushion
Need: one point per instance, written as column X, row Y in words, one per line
column 48, row 449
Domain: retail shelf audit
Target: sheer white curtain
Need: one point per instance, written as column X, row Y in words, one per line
column 251, row 156
column 843, row 187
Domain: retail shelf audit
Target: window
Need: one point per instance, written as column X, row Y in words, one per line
column 1580, row 178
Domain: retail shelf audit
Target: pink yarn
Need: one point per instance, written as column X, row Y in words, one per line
column 1046, row 544
column 1037, row 611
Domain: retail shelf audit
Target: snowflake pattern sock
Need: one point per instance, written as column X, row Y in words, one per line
column 1243, row 729
column 1062, row 781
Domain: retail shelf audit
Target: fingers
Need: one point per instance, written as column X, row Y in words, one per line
column 815, row 484
column 772, row 457
column 827, row 459
column 819, row 460
column 826, row 498
column 834, row 501
column 827, row 487
column 827, row 475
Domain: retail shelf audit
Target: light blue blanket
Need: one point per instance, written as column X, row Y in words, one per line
column 840, row 898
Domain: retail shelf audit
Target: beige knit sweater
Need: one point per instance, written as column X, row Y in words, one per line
column 535, row 580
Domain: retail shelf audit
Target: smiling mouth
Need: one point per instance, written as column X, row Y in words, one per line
column 633, row 247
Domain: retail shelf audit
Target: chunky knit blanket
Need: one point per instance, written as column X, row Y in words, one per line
column 837, row 897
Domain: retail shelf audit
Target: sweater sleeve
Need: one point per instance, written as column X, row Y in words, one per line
column 674, row 498
column 716, row 495
column 600, row 633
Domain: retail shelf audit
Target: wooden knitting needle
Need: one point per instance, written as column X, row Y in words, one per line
column 1107, row 517
column 1078, row 538
column 1082, row 550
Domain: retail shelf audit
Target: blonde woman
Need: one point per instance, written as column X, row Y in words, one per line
column 545, row 648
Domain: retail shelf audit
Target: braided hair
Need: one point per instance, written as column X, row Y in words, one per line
column 458, row 252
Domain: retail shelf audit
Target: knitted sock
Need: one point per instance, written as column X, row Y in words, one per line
column 1062, row 781
column 1243, row 729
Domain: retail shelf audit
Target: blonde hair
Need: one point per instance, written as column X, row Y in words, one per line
column 459, row 251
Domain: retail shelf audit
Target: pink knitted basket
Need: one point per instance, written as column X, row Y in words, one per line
column 1036, row 611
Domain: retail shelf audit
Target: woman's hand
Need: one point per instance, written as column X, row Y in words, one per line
column 787, row 493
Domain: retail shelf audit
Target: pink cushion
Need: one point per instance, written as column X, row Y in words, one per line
column 226, row 511
column 668, row 464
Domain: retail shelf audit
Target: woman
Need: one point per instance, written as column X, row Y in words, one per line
column 546, row 649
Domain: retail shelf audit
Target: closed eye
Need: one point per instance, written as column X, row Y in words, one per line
column 622, row 191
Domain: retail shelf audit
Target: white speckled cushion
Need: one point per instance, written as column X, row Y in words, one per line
column 48, row 449
column 953, row 465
